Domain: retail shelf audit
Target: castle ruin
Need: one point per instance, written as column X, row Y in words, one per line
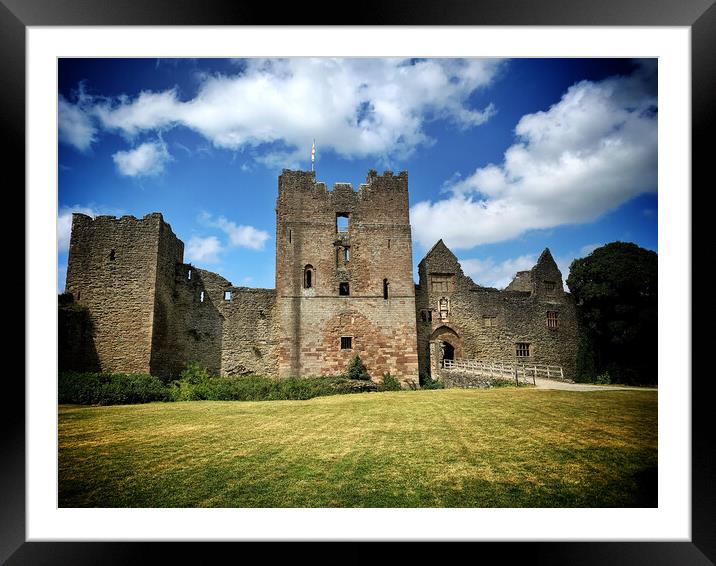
column 344, row 286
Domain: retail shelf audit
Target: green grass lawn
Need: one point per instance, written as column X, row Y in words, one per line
column 445, row 448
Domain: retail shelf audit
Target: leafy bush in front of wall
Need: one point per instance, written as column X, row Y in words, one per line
column 429, row 383
column 356, row 369
column 389, row 383
column 110, row 389
column 256, row 388
column 194, row 373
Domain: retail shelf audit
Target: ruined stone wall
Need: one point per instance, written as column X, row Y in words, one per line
column 112, row 267
column 378, row 240
column 170, row 253
column 141, row 309
column 250, row 343
column 147, row 311
column 486, row 324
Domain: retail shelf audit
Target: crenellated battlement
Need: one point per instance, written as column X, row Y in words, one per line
column 294, row 181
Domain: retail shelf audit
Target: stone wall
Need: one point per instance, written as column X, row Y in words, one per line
column 375, row 250
column 111, row 271
column 456, row 378
column 145, row 310
column 487, row 324
column 136, row 307
column 76, row 350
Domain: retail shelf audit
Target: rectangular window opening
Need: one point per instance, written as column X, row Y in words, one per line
column 227, row 295
column 344, row 289
column 346, row 342
column 552, row 320
column 522, row 349
column 490, row 321
column 550, row 286
column 342, row 222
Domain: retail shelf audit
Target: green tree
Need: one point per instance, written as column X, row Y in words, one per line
column 615, row 289
column 356, row 369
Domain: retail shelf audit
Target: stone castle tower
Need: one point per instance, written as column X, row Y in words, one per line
column 344, row 283
column 344, row 287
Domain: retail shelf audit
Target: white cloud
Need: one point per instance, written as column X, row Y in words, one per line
column 489, row 273
column 203, row 250
column 499, row 274
column 148, row 159
column 239, row 235
column 589, row 153
column 75, row 126
column 355, row 107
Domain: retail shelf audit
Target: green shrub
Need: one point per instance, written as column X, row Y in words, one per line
column 256, row 388
column 356, row 369
column 389, row 383
column 110, row 389
column 429, row 383
column 115, row 389
column 603, row 379
column 496, row 382
column 194, row 373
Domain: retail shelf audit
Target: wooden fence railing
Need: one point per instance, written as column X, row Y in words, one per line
column 507, row 370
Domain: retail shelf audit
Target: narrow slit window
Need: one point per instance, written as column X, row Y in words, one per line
column 308, row 278
column 112, row 255
column 290, row 236
column 385, row 289
column 342, row 222
column 346, row 254
column 346, row 342
column 201, row 297
column 344, row 289
column 188, row 275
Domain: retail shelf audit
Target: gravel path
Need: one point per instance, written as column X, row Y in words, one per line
column 552, row 384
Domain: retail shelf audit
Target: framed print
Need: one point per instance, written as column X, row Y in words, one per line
column 83, row 76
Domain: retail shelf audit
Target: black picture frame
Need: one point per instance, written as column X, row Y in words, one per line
column 699, row 15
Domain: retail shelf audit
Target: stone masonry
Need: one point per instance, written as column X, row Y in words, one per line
column 344, row 286
column 531, row 321
column 344, row 276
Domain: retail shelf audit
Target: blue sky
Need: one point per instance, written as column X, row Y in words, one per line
column 505, row 157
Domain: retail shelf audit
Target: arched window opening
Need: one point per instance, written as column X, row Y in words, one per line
column 308, row 277
column 385, row 289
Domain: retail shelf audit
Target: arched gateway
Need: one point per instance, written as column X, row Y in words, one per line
column 445, row 344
